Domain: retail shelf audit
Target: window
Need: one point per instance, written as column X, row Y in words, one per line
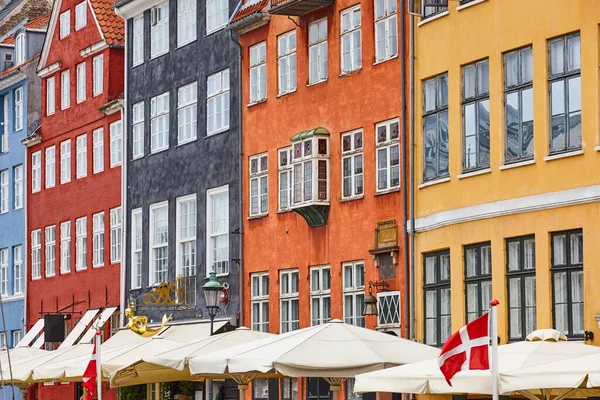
column 289, row 301
column 4, row 272
column 320, row 295
column 290, row 388
column 476, row 116
column 115, row 235
column 285, row 178
column 433, row 7
column 351, row 40
column 159, row 242
column 19, row 109
column 65, row 247
column 50, row 91
column 81, row 243
column 159, row 30
column 261, row 386
column 18, row 270
column 317, row 389
column 98, row 239
column 260, row 301
column 388, row 309
column 81, row 83
column 50, row 251
column 65, row 89
column 388, row 155
column 186, row 21
column 36, row 254
column 36, row 171
column 20, row 49
column 50, row 166
column 386, row 30
column 80, row 15
column 116, row 143
column 259, row 185
column 65, row 161
column 159, row 122
column 3, row 342
column 4, row 191
column 286, row 62
column 218, row 230
column 317, row 51
column 436, row 289
column 567, row 282
column 136, row 248
column 98, row 150
column 16, row 337
column 435, row 127
column 258, row 72
column 354, row 292
column 565, row 93
column 518, row 94
column 217, row 14
column 217, row 102
column 186, row 240
column 18, row 182
column 98, row 71
column 138, row 40
column 65, row 24
column 81, row 156
column 478, row 279
column 311, row 171
column 137, row 129
column 520, row 273
column 187, row 113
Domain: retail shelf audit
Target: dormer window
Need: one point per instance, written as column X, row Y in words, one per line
column 20, row 49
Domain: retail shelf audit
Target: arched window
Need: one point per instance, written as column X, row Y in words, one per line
column 20, row 49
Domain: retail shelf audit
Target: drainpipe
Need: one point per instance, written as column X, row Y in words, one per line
column 240, row 175
column 404, row 200
column 123, row 286
column 412, row 176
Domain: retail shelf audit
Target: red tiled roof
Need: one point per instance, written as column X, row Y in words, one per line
column 112, row 26
column 248, row 9
column 11, row 69
column 39, row 22
column 9, row 40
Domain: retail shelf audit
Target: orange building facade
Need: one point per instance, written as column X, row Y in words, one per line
column 324, row 166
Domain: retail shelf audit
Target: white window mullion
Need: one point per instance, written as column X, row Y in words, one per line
column 81, row 243
column 217, row 223
column 159, row 235
column 98, row 239
column 50, row 167
column 98, row 150
column 36, row 171
column 217, row 102
column 65, row 161
column 50, row 237
column 159, row 123
column 18, row 186
column 81, row 82
column 98, row 74
column 115, row 235
column 136, row 248
column 65, row 247
column 186, row 236
column 18, row 269
column 116, row 143
column 187, row 110
column 36, row 254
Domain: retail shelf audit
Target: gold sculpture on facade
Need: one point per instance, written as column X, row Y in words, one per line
column 167, row 293
column 139, row 324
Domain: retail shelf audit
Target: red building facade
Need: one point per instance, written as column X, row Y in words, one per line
column 74, row 171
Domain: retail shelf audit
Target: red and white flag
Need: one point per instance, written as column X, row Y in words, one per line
column 467, row 349
column 89, row 377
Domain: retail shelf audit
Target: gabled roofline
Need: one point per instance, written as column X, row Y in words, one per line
column 129, row 8
column 96, row 20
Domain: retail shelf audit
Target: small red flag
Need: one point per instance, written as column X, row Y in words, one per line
column 90, row 376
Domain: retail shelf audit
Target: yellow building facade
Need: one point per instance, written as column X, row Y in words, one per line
column 507, row 159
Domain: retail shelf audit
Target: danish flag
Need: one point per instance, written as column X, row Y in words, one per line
column 466, row 349
column 89, row 377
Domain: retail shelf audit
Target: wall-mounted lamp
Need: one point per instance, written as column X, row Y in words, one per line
column 370, row 302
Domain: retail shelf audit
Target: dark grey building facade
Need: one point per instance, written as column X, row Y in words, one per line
column 182, row 157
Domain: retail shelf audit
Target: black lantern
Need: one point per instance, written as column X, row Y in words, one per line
column 212, row 290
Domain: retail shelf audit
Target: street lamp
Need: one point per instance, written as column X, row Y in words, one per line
column 370, row 301
column 212, row 288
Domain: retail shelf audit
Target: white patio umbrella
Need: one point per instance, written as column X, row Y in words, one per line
column 541, row 348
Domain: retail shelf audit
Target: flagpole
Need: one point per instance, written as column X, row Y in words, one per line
column 98, row 364
column 494, row 339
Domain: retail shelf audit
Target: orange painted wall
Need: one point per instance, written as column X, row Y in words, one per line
column 360, row 100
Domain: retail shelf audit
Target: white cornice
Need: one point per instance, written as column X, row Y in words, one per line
column 49, row 70
column 136, row 7
column 564, row 198
column 93, row 49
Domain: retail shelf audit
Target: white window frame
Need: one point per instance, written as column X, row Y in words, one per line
column 81, row 170
column 353, row 289
column 81, row 244
column 386, row 20
column 187, row 113
column 138, row 40
column 217, row 96
column 284, row 185
column 36, row 171
column 137, row 130
column 159, row 122
column 98, row 150
column 319, row 294
column 186, row 228
column 258, row 72
column 4, row 191
column 318, row 52
column 210, row 194
column 20, row 49
column 354, row 156
column 50, row 166
column 18, row 269
column 116, row 143
column 50, row 239
column 287, row 298
column 16, row 337
column 383, row 321
column 18, row 109
column 98, row 74
column 218, row 10
column 259, row 299
column 98, row 239
column 65, row 89
column 4, row 272
column 50, row 93
column 303, row 161
column 287, row 80
column 115, row 234
column 387, row 145
column 159, row 30
column 65, row 247
column 80, row 15
column 349, row 33
column 36, row 254
column 18, row 186
column 4, row 131
column 186, row 22
column 259, row 179
column 65, row 161
column 65, row 24
column 136, row 248
column 154, row 278
column 81, row 82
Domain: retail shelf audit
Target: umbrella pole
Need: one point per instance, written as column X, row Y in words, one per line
column 494, row 338
column 98, row 364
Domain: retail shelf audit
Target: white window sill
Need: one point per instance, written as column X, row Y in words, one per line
column 65, row 272
column 349, row 73
column 157, row 55
column 285, row 93
column 18, row 208
column 284, row 211
column 434, row 182
column 158, row 150
column 317, row 82
column 94, row 173
column 98, row 266
column 81, row 177
column 135, row 288
column 181, row 45
column 564, row 155
column 179, row 144
column 433, row 18
column 597, row 148
column 470, row 4
column 352, row 198
column 387, row 191
column 137, row 158
column 218, row 276
column 258, row 216
column 97, row 94
column 50, row 276
column 39, row 278
column 517, row 164
column 475, row 173
column 211, row 134
column 80, row 269
column 115, row 165
column 256, row 102
column 385, row 59
column 137, row 64
column 217, row 29
column 36, row 191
